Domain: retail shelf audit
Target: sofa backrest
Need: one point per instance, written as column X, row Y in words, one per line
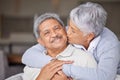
column 3, row 65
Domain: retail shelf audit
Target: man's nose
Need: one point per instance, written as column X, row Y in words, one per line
column 53, row 33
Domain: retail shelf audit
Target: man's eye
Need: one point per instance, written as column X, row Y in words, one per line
column 46, row 33
column 57, row 28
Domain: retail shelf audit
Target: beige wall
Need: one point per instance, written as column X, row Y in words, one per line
column 30, row 7
column 24, row 10
column 113, row 21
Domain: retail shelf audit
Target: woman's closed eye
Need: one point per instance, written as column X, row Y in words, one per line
column 73, row 31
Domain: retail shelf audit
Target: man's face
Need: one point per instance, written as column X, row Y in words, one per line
column 75, row 36
column 52, row 34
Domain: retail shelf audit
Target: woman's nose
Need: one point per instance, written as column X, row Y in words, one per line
column 68, row 31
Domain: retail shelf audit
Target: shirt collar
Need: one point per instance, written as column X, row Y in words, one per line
column 79, row 47
column 67, row 52
column 93, row 44
column 45, row 52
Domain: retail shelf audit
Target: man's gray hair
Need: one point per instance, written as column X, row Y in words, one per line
column 42, row 18
column 89, row 17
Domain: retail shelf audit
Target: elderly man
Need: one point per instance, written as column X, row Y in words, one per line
column 51, row 34
column 87, row 28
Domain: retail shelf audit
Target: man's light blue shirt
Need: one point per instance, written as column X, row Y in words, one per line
column 106, row 53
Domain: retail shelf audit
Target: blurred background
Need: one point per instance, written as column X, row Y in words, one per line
column 16, row 22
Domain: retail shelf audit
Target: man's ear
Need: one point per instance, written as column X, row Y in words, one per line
column 40, row 41
column 90, row 37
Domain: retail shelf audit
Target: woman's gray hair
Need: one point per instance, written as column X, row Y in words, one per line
column 41, row 19
column 89, row 17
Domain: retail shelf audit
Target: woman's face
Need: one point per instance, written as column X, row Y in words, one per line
column 75, row 36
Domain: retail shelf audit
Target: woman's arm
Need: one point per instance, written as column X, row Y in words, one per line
column 34, row 57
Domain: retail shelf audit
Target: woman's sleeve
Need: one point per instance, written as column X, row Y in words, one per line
column 34, row 57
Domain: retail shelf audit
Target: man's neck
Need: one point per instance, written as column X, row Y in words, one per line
column 54, row 52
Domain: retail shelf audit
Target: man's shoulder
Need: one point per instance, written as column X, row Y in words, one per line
column 83, row 58
column 78, row 51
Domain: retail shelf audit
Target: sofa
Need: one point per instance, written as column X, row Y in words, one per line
column 15, row 77
column 3, row 65
column 7, row 70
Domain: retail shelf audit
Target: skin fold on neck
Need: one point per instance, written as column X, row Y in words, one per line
column 55, row 52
